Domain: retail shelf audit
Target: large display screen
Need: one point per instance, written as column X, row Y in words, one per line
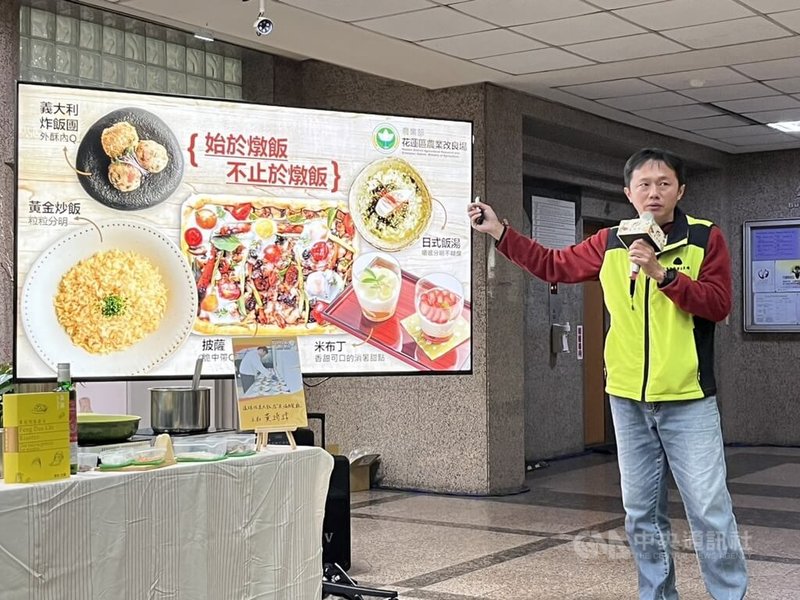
column 154, row 229
column 772, row 275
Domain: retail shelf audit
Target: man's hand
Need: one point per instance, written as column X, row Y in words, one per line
column 490, row 224
column 642, row 254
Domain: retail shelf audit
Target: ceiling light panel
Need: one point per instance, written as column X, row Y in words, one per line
column 520, row 12
column 358, row 10
column 645, row 101
column 684, row 13
column 425, row 24
column 586, row 28
column 730, row 92
column 727, row 33
column 612, row 89
column 634, row 46
column 483, row 44
column 534, row 61
column 698, row 78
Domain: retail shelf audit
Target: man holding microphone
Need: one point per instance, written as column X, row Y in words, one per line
column 659, row 359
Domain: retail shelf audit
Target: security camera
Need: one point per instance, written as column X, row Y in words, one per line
column 262, row 25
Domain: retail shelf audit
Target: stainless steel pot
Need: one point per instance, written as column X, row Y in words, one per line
column 180, row 409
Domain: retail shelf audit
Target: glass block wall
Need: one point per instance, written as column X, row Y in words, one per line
column 62, row 42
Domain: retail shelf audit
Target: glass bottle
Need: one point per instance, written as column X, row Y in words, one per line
column 64, row 384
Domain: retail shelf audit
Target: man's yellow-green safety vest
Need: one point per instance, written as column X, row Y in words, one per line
column 655, row 351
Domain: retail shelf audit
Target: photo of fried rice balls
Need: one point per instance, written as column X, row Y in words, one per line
column 118, row 139
column 132, row 159
column 124, row 176
column 152, row 156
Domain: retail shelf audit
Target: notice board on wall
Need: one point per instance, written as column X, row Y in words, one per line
column 771, row 278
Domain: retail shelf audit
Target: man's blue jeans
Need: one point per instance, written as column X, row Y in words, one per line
column 686, row 437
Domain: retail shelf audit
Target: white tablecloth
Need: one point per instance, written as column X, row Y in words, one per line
column 237, row 529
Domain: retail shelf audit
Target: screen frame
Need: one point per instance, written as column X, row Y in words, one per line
column 748, row 227
column 188, row 377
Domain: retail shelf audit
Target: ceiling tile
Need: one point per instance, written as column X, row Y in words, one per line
column 772, row 116
column 790, row 85
column 789, row 19
column 759, row 104
column 683, row 13
column 730, row 92
column 425, row 24
column 704, row 77
column 675, row 113
column 634, row 46
column 533, row 61
column 356, row 10
column 483, row 44
column 758, row 140
column 586, row 28
column 727, row 33
column 612, row 4
column 612, row 89
column 708, row 122
column 720, row 133
column 767, row 6
column 643, row 101
column 771, row 69
column 520, row 12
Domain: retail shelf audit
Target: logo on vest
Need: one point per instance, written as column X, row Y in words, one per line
column 678, row 265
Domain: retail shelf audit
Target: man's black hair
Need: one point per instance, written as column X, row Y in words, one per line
column 264, row 348
column 645, row 155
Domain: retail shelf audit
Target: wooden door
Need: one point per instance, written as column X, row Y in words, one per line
column 596, row 421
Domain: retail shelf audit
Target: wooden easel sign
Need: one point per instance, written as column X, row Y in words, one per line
column 269, row 386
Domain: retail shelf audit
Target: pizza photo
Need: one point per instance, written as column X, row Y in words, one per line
column 266, row 266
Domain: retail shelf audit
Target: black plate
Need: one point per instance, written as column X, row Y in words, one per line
column 155, row 188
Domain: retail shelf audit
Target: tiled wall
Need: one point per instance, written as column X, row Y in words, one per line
column 62, row 42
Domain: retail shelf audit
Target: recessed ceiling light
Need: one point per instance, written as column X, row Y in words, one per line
column 787, row 126
column 204, row 35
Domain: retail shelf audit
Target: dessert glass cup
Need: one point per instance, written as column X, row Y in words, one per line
column 438, row 300
column 376, row 281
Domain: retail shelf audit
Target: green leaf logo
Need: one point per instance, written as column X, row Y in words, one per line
column 385, row 138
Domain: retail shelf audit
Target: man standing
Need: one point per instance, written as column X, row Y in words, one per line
column 659, row 358
column 252, row 365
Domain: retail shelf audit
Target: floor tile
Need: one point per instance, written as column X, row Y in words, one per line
column 787, row 474
column 444, row 509
column 385, row 552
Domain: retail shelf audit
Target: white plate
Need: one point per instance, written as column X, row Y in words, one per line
column 53, row 344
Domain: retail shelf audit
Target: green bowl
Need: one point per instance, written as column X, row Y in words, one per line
column 105, row 429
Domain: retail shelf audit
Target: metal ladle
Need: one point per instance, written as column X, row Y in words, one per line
column 196, row 378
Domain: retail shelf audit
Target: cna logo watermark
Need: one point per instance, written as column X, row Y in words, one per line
column 385, row 138
column 610, row 544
